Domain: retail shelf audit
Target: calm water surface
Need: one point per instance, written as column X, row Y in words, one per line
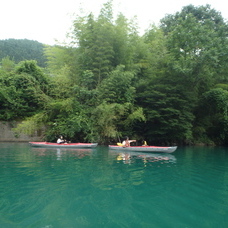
column 60, row 188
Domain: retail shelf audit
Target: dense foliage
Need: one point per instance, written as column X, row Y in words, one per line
column 169, row 86
column 23, row 49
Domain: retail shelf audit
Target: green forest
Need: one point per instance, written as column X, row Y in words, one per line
column 168, row 86
column 23, row 49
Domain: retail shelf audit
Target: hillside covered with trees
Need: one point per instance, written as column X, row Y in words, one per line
column 167, row 86
column 23, row 49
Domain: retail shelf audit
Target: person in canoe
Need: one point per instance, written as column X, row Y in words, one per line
column 144, row 143
column 61, row 140
column 127, row 142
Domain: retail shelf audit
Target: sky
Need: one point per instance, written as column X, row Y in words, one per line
column 48, row 21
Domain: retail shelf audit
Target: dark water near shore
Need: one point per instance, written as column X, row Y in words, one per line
column 53, row 188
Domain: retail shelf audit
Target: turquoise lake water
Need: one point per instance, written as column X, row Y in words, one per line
column 80, row 188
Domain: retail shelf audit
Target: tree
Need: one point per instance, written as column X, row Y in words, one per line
column 110, row 81
column 60, row 58
column 30, row 67
column 23, row 49
column 123, row 48
column 212, row 117
column 95, row 40
column 102, row 44
column 117, row 87
column 168, row 112
column 197, row 42
column 7, row 65
column 20, row 96
column 110, row 121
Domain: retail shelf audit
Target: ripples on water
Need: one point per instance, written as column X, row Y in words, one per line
column 50, row 188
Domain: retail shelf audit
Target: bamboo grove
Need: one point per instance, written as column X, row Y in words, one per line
column 167, row 86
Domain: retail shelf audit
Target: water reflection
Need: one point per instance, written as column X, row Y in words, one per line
column 129, row 157
column 58, row 154
column 62, row 153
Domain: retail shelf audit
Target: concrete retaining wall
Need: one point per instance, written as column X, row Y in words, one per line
column 7, row 135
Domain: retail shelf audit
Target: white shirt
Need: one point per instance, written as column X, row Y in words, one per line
column 60, row 140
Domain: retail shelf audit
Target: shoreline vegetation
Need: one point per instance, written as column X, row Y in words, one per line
column 168, row 86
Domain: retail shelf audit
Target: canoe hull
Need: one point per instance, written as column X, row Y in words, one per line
column 62, row 145
column 147, row 149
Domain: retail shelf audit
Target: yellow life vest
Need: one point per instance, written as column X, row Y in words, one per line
column 144, row 143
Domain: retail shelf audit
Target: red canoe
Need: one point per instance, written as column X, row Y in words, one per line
column 63, row 145
column 145, row 148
